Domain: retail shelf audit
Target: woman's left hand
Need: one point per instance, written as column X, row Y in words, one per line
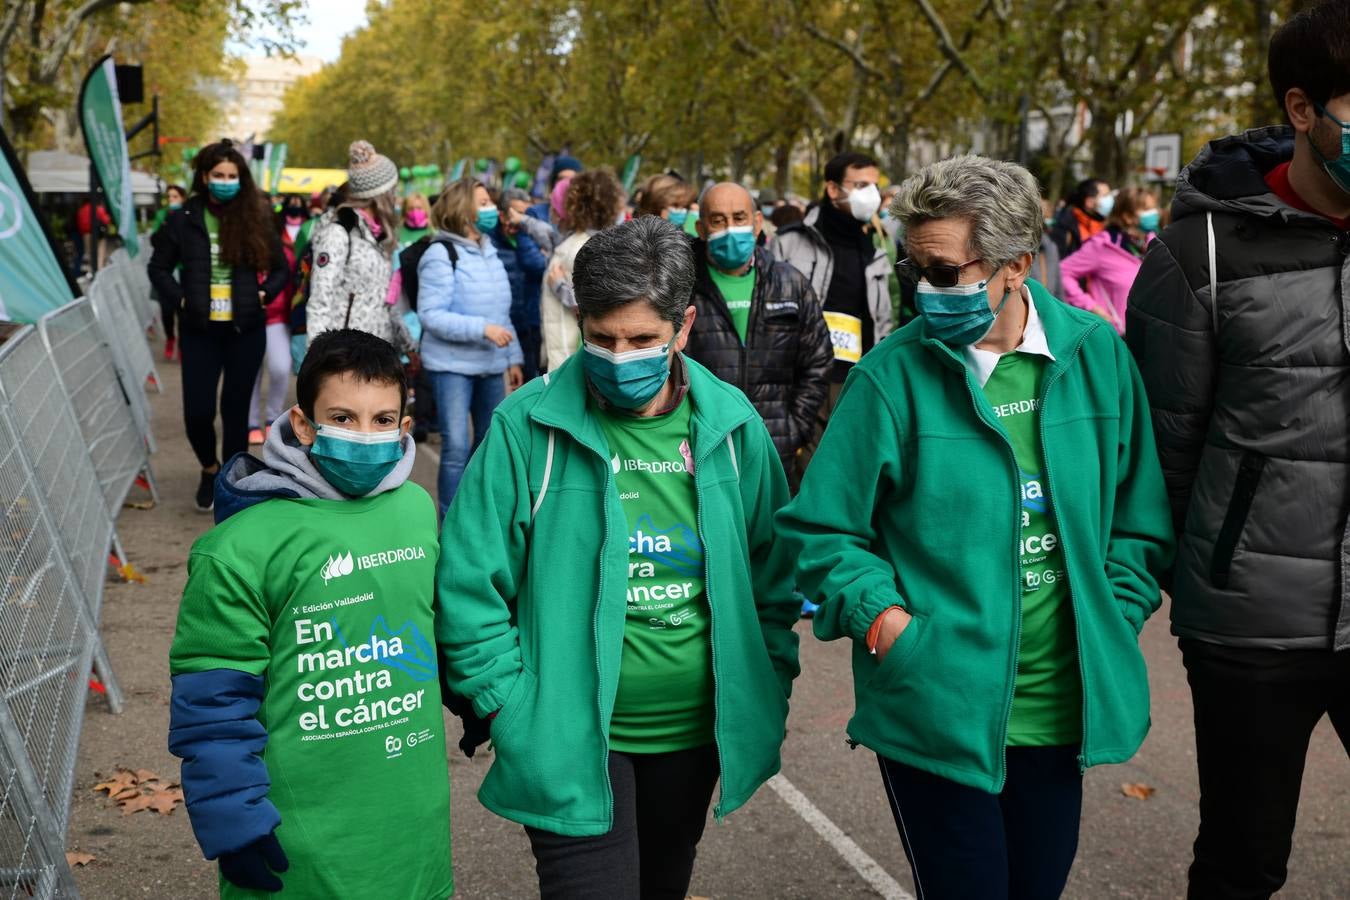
column 515, row 377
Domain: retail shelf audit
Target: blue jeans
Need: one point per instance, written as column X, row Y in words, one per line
column 459, row 400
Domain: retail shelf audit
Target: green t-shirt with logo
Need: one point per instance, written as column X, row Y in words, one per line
column 1047, row 698
column 331, row 602
column 222, row 301
column 737, row 290
column 665, row 696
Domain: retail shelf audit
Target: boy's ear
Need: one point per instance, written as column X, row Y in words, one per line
column 405, row 427
column 300, row 425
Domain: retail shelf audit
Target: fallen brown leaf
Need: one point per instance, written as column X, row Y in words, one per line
column 144, row 775
column 1137, row 791
column 124, row 779
column 79, row 858
column 164, row 802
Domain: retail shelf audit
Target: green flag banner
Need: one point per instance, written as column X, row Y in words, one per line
column 32, row 279
column 106, row 139
column 630, row 172
column 276, row 161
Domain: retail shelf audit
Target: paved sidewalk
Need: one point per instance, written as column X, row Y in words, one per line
column 773, row 848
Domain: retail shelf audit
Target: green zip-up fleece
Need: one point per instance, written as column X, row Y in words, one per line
column 914, row 499
column 534, row 612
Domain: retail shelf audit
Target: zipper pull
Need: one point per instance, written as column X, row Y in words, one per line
column 852, row 744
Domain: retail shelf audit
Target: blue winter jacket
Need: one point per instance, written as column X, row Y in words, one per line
column 455, row 302
column 525, row 264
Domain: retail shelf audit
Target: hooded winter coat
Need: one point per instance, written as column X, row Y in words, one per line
column 1239, row 320
column 349, row 283
column 783, row 365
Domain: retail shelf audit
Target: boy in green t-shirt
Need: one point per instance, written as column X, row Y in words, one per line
column 306, row 705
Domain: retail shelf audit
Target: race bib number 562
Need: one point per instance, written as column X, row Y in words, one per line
column 845, row 335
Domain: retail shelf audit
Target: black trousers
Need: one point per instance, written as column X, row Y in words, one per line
column 963, row 842
column 168, row 310
column 219, row 362
column 1255, row 711
column 660, row 807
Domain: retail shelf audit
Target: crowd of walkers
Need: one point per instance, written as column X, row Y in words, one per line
column 972, row 434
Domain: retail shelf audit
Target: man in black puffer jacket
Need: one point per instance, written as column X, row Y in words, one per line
column 759, row 325
column 1238, row 320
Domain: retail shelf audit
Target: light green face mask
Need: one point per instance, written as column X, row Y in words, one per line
column 355, row 462
column 1337, row 169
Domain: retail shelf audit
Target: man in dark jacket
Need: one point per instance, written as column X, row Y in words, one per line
column 759, row 324
column 1237, row 321
column 1082, row 216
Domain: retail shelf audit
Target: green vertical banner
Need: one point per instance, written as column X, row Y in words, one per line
column 630, row 172
column 32, row 280
column 106, row 140
column 275, row 163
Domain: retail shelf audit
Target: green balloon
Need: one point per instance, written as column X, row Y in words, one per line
column 481, row 165
column 521, row 180
column 512, row 164
column 405, row 173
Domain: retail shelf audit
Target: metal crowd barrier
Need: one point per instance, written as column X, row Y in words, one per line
column 40, row 412
column 74, row 438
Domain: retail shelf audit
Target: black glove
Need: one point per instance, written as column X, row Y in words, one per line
column 251, row 867
column 477, row 730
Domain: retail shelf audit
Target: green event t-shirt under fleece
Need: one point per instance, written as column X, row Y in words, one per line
column 1047, row 698
column 331, row 602
column 665, row 696
column 737, row 291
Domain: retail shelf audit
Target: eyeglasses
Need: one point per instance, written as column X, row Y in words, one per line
column 937, row 276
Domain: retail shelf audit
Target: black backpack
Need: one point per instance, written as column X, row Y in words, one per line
column 411, row 255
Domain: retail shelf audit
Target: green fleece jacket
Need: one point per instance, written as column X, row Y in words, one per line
column 533, row 617
column 913, row 499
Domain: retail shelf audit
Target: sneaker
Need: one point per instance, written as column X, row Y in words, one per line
column 206, row 492
column 255, row 436
column 170, row 350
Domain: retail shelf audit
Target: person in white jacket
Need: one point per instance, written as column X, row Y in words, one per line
column 594, row 201
column 353, row 252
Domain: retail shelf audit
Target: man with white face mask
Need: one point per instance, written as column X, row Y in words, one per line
column 840, row 248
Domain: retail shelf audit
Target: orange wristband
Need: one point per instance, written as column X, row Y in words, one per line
column 875, row 631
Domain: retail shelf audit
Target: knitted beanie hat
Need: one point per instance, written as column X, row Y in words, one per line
column 368, row 173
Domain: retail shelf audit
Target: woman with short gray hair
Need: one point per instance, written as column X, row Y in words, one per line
column 618, row 507
column 986, row 520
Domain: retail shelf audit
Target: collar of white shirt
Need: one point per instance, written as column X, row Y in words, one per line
column 982, row 362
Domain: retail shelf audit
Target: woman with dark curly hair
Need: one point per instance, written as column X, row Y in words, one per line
column 593, row 202
column 231, row 266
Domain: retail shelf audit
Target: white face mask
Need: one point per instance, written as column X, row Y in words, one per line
column 864, row 203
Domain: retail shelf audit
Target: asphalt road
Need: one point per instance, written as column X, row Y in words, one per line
column 769, row 849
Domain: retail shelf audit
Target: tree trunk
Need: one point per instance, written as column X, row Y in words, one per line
column 782, row 162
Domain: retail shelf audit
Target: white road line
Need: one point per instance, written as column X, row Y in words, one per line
column 871, row 871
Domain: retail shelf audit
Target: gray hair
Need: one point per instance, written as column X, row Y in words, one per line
column 1001, row 201
column 511, row 195
column 643, row 259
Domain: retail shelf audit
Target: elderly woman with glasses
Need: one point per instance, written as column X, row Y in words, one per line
column 986, row 520
column 616, row 597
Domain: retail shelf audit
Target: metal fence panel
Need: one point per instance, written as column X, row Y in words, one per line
column 116, row 312
column 46, row 651
column 101, row 403
column 108, row 310
column 53, row 444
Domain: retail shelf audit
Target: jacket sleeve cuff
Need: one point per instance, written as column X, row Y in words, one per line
column 494, row 698
column 868, row 609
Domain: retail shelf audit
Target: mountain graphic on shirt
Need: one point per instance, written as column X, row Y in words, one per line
column 1033, row 492
column 418, row 656
column 685, row 553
